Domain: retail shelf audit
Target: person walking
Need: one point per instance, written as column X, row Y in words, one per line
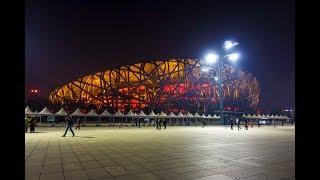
column 26, row 123
column 202, row 122
column 274, row 125
column 69, row 122
column 251, row 124
column 165, row 123
column 78, row 123
column 238, row 122
column 258, row 123
column 32, row 124
column 231, row 123
column 139, row 122
column 160, row 121
column 246, row 124
column 281, row 122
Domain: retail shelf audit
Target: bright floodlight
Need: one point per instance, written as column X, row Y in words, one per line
column 216, row 78
column 229, row 44
column 233, row 57
column 212, row 58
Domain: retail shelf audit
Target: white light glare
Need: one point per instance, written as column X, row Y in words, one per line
column 216, row 78
column 205, row 69
column 233, row 57
column 229, row 44
column 212, row 58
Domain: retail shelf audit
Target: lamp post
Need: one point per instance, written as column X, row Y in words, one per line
column 212, row 59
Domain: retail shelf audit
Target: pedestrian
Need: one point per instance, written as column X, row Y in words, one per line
column 246, row 124
column 231, row 123
column 281, row 122
column 26, row 123
column 139, row 122
column 258, row 123
column 157, row 124
column 69, row 122
column 202, row 123
column 78, row 123
column 160, row 124
column 32, row 124
column 251, row 123
column 238, row 122
column 165, row 123
column 274, row 125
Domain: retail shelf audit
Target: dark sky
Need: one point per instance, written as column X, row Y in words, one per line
column 69, row 39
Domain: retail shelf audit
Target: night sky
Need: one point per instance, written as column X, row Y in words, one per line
column 69, row 39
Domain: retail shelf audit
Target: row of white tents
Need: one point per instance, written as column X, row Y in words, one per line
column 141, row 114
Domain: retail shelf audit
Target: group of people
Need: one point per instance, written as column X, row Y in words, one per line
column 238, row 122
column 30, row 122
column 158, row 124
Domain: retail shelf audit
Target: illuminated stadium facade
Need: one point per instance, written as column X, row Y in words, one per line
column 164, row 85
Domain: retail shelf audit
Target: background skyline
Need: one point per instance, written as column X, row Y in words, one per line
column 67, row 40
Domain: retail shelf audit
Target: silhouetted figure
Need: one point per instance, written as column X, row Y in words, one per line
column 78, row 123
column 258, row 123
column 231, row 123
column 281, row 122
column 251, row 123
column 202, row 123
column 26, row 123
column 238, row 122
column 139, row 122
column 69, row 122
column 246, row 124
column 273, row 123
column 160, row 121
column 165, row 124
column 32, row 124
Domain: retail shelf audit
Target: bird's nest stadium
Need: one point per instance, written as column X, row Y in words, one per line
column 161, row 85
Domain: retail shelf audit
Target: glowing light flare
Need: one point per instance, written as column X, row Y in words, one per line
column 233, row 57
column 229, row 44
column 212, row 58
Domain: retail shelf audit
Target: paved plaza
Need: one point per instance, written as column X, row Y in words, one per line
column 174, row 153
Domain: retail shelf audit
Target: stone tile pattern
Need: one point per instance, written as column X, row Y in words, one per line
column 174, row 153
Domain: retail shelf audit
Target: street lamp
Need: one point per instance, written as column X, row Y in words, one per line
column 212, row 59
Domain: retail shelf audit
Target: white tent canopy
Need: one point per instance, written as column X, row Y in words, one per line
column 131, row 114
column 77, row 112
column 189, row 115
column 28, row 111
column 197, row 115
column 141, row 114
column 45, row 111
column 162, row 114
column 215, row 117
column 118, row 114
column 244, row 116
column 105, row 113
column 209, row 116
column 204, row 116
column 152, row 114
column 180, row 115
column 61, row 112
column 171, row 115
column 92, row 113
column 254, row 116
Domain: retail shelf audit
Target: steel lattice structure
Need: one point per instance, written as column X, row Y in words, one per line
column 175, row 84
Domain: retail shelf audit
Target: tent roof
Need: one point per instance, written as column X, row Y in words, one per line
column 105, row 113
column 45, row 111
column 28, row 111
column 92, row 113
column 180, row 115
column 244, row 116
column 61, row 112
column 131, row 114
column 152, row 114
column 215, row 117
column 141, row 114
column 189, row 115
column 118, row 114
column 254, row 116
column 204, row 116
column 209, row 116
column 77, row 112
column 162, row 114
column 197, row 115
column 171, row 114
